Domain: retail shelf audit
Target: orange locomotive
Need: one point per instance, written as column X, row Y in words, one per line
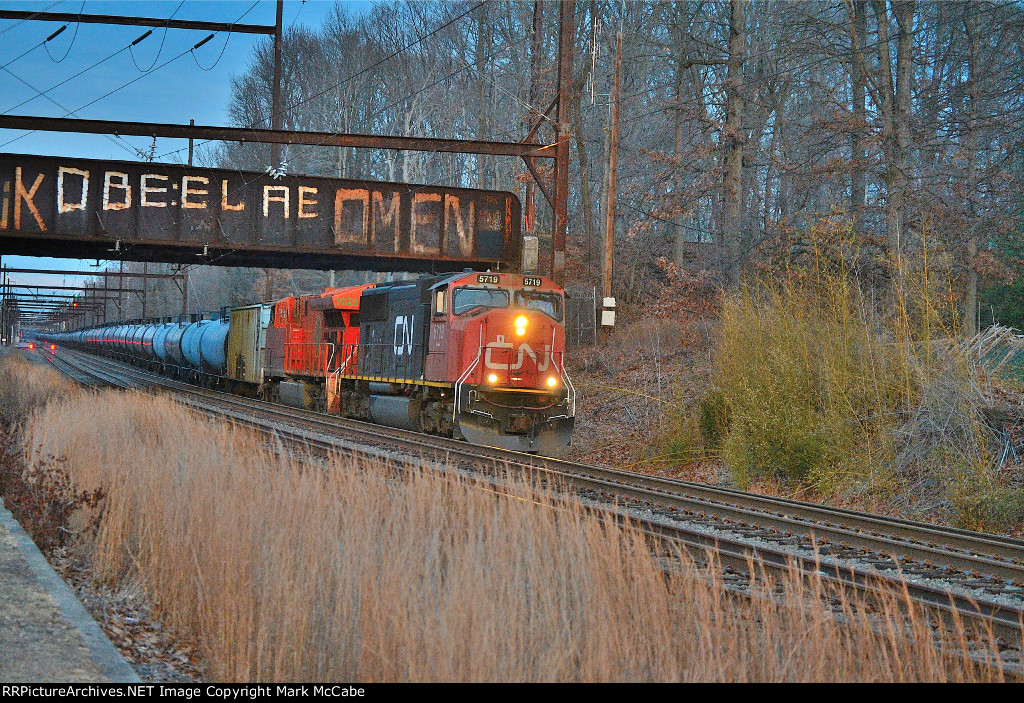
column 478, row 356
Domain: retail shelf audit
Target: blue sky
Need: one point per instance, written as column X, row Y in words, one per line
column 194, row 86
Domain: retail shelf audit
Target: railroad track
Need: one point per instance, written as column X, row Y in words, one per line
column 955, row 573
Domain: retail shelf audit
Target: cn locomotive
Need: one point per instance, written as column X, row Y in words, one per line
column 476, row 356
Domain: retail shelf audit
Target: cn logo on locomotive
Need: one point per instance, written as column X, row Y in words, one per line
column 524, row 350
column 404, row 334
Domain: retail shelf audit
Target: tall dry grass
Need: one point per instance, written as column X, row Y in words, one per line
column 42, row 500
column 25, row 386
column 278, row 570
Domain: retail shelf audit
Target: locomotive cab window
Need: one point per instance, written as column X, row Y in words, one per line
column 469, row 299
column 548, row 303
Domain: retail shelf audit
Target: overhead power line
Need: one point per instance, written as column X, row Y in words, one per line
column 120, row 87
column 30, row 16
column 122, row 143
column 135, row 21
column 29, row 51
column 160, row 50
column 73, row 38
column 84, row 70
column 325, row 91
column 169, row 22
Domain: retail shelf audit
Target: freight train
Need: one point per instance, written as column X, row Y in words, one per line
column 476, row 356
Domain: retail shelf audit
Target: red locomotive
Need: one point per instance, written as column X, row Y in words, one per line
column 472, row 355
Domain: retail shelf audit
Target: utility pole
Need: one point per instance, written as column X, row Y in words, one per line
column 275, row 118
column 567, row 27
column 3, row 304
column 535, row 48
column 275, row 107
column 184, row 269
column 120, row 296
column 613, row 161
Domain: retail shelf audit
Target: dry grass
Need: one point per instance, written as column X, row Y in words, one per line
column 25, row 386
column 280, row 571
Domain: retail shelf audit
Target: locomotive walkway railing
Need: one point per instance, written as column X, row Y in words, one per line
column 308, row 357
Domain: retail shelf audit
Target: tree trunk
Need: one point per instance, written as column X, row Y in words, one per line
column 733, row 140
column 904, row 67
column 895, row 98
column 679, row 243
column 858, row 153
column 482, row 40
column 586, row 193
column 971, row 144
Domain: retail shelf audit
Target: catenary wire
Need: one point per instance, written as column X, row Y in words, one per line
column 160, row 50
column 71, row 45
column 66, row 80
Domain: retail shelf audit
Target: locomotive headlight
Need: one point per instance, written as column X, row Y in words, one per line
column 493, row 378
column 552, row 381
column 521, row 325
